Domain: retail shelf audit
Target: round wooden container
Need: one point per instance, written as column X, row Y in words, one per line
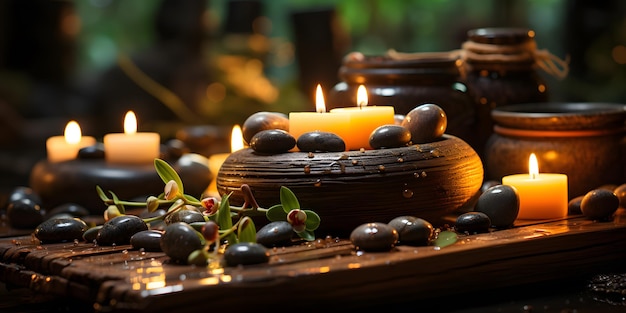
column 75, row 181
column 350, row 188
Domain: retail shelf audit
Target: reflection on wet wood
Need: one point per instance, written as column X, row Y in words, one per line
column 329, row 272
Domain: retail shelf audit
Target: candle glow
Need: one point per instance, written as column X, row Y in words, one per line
column 131, row 147
column 304, row 122
column 216, row 160
column 542, row 195
column 364, row 120
column 66, row 147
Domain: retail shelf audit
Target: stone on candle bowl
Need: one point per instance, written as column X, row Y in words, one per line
column 583, row 140
column 75, row 181
column 350, row 188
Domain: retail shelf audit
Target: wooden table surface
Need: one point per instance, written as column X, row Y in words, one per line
column 329, row 273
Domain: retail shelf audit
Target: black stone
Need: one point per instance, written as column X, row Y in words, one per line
column 95, row 151
column 390, row 136
column 24, row 213
column 60, row 230
column 573, row 206
column 179, row 240
column 599, row 204
column 119, row 229
column 246, row 253
column 473, row 222
column 318, row 141
column 22, row 192
column 412, row 230
column 501, row 203
column 426, row 122
column 148, row 240
column 274, row 234
column 73, row 209
column 272, row 141
column 263, row 121
column 185, row 216
column 374, row 237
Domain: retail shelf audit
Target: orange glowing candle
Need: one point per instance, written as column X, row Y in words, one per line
column 542, row 196
column 216, row 160
column 64, row 148
column 364, row 120
column 304, row 122
column 131, row 147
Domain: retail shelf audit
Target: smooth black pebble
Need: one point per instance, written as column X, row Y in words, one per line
column 119, row 229
column 277, row 233
column 318, row 141
column 272, row 141
column 473, row 222
column 374, row 236
column 246, row 253
column 501, row 203
column 390, row 136
column 260, row 121
column 599, row 204
column 412, row 230
column 61, row 230
column 25, row 213
column 148, row 240
column 179, row 240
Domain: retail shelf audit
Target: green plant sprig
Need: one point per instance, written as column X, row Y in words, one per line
column 304, row 222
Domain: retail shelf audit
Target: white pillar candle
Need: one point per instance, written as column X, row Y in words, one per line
column 131, row 147
column 66, row 147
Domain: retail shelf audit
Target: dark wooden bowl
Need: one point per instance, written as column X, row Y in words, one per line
column 350, row 188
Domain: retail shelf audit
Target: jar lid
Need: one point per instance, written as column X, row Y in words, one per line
column 561, row 116
column 501, row 35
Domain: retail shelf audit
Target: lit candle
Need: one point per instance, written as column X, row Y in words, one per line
column 131, row 147
column 364, row 120
column 216, row 160
column 542, row 196
column 304, row 122
column 63, row 148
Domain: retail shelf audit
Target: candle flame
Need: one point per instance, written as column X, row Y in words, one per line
column 320, row 105
column 533, row 166
column 72, row 133
column 130, row 123
column 361, row 97
column 236, row 139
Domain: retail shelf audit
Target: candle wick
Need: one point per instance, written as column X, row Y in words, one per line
column 533, row 175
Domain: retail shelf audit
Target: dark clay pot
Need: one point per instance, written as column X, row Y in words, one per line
column 406, row 84
column 583, row 140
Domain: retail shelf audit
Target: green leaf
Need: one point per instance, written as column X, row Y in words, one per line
column 224, row 220
column 276, row 213
column 191, row 198
column 167, row 173
column 246, row 230
column 446, row 238
column 288, row 199
column 312, row 220
column 307, row 235
column 101, row 194
column 117, row 204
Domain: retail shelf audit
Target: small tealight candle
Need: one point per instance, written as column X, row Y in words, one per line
column 66, row 147
column 364, row 120
column 304, row 122
column 542, row 196
column 216, row 160
column 131, row 147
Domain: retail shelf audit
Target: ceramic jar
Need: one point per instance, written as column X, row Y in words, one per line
column 583, row 140
column 500, row 68
column 408, row 83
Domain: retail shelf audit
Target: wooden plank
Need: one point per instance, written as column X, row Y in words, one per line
column 331, row 272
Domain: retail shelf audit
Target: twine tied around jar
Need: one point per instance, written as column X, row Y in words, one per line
column 474, row 51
